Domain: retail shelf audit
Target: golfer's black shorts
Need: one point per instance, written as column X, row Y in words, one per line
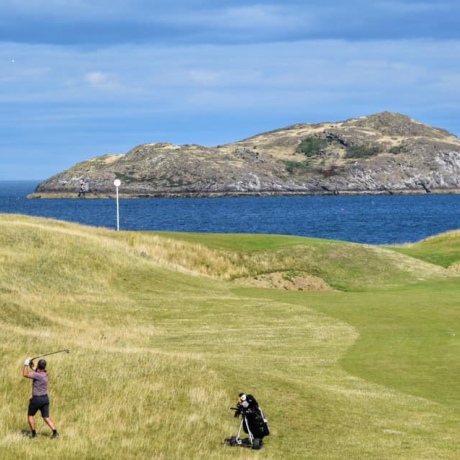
column 39, row 403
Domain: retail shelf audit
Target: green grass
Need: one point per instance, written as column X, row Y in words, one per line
column 443, row 250
column 408, row 338
column 163, row 338
column 343, row 266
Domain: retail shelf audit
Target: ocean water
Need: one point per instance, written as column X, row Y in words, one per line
column 381, row 219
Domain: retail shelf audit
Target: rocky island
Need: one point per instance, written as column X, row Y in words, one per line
column 383, row 153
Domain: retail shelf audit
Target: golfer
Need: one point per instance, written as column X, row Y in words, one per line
column 39, row 401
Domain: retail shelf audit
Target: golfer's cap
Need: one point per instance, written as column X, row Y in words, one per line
column 41, row 364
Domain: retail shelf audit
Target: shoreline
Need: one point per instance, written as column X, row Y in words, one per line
column 267, row 193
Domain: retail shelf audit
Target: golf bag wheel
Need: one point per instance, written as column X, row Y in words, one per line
column 257, row 444
column 232, row 441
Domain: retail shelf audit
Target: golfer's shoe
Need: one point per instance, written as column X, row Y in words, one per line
column 33, row 436
column 55, row 435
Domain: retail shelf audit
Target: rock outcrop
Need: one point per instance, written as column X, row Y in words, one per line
column 381, row 153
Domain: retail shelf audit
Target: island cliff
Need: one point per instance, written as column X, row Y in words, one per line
column 381, row 153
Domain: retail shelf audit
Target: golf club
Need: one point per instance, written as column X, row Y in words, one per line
column 52, row 353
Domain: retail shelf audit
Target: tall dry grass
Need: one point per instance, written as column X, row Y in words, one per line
column 343, row 266
column 159, row 353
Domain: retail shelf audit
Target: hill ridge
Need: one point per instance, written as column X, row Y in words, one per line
column 381, row 153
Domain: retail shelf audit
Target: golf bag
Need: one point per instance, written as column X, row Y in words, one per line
column 253, row 423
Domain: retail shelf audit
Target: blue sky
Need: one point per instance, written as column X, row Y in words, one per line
column 82, row 78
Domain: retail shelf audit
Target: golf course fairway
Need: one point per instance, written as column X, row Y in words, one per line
column 351, row 350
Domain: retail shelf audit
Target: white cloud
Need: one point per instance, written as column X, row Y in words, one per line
column 48, row 7
column 61, row 93
column 205, row 77
column 402, row 6
column 260, row 73
column 97, row 78
column 259, row 16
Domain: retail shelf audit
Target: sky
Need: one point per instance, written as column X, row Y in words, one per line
column 83, row 78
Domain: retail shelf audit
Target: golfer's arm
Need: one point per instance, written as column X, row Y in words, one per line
column 25, row 372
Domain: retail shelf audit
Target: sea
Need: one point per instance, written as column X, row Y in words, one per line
column 368, row 219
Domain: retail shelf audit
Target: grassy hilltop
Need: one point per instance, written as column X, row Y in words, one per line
column 381, row 153
column 352, row 350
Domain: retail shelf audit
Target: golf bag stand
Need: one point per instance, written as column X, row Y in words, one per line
column 253, row 423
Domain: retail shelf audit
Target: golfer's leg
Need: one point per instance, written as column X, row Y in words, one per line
column 31, row 421
column 49, row 422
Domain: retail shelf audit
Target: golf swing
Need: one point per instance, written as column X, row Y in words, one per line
column 51, row 353
column 40, row 399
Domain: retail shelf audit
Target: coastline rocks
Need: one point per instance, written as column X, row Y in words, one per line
column 382, row 153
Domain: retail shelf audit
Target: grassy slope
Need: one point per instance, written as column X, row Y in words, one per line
column 443, row 250
column 159, row 353
column 344, row 266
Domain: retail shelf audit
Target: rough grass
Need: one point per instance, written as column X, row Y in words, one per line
column 340, row 265
column 159, row 351
column 442, row 250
